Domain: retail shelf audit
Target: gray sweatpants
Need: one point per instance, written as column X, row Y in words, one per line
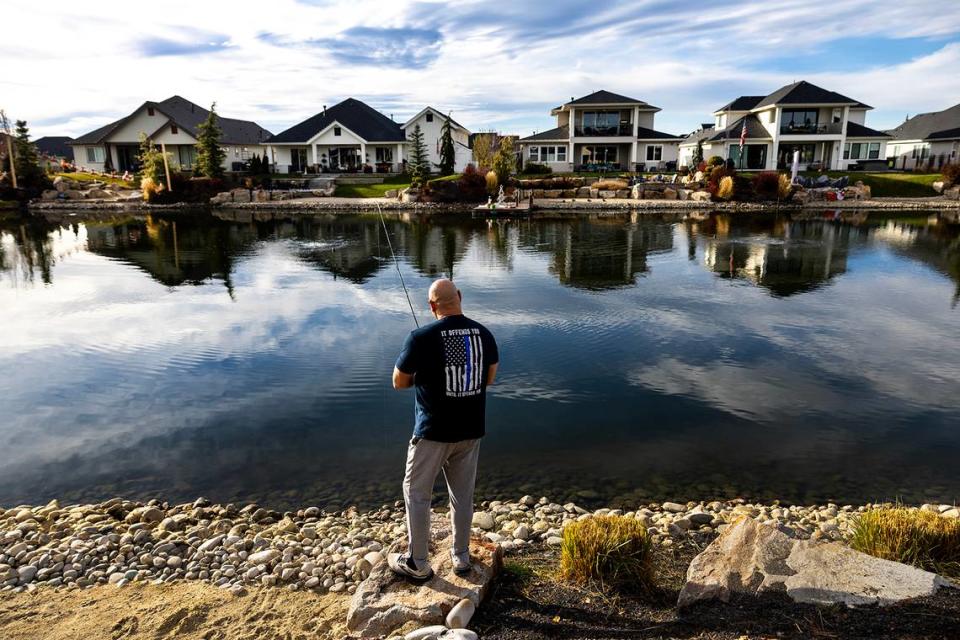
column 425, row 459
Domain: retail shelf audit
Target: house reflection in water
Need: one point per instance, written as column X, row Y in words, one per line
column 782, row 256
column 599, row 253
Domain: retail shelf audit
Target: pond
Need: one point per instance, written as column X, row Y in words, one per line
column 643, row 358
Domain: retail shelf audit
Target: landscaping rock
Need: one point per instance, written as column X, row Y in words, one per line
column 753, row 558
column 390, row 193
column 409, row 195
column 49, row 194
column 240, row 195
column 459, row 616
column 700, row 196
column 384, row 601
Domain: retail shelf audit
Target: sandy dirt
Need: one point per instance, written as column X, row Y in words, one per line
column 184, row 610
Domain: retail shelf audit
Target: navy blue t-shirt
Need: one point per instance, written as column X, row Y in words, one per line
column 450, row 358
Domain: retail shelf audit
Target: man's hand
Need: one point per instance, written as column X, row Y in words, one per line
column 402, row 380
column 491, row 374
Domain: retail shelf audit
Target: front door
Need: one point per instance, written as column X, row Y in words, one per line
column 344, row 158
column 298, row 160
column 127, row 158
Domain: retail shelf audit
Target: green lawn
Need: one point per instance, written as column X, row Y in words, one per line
column 80, row 176
column 890, row 185
column 372, row 190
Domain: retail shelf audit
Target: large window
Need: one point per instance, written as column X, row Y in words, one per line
column 874, row 152
column 654, row 152
column 600, row 123
column 754, row 156
column 598, row 154
column 384, row 154
column 799, row 121
column 861, row 151
column 95, row 154
column 548, row 154
column 188, row 156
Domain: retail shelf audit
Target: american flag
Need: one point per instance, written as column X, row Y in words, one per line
column 743, row 135
column 464, row 364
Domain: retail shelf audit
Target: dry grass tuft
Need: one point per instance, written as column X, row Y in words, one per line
column 920, row 538
column 612, row 551
column 610, row 185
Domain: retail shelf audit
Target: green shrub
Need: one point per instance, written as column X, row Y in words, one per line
column 715, row 161
column 951, row 175
column 612, row 551
column 532, row 168
column 920, row 538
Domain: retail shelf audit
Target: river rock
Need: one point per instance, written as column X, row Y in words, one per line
column 459, row 616
column 263, row 557
column 753, row 558
column 484, row 520
column 384, row 601
column 426, row 633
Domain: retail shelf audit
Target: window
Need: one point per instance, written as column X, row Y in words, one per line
column 535, row 154
column 855, row 150
column 188, row 155
column 384, row 154
column 754, row 156
column 429, row 116
column 598, row 154
column 799, row 121
column 846, row 151
column 174, row 130
column 600, row 123
column 149, row 111
column 336, row 131
column 561, row 154
column 874, row 151
column 95, row 154
column 548, row 154
column 654, row 152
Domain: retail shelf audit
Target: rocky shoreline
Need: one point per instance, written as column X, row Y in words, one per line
column 119, row 542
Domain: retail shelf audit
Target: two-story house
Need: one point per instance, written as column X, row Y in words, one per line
column 927, row 140
column 602, row 131
column 825, row 127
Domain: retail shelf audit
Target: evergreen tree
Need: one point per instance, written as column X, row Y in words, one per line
column 210, row 155
column 419, row 161
column 698, row 154
column 448, row 157
column 29, row 173
column 504, row 160
column 153, row 175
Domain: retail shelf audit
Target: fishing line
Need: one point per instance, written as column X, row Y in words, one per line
column 397, row 264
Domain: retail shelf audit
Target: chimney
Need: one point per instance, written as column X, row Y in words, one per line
column 192, row 107
column 324, row 111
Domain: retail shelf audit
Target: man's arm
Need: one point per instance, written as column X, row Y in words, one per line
column 491, row 373
column 403, row 380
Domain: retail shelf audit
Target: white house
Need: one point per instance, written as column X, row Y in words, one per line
column 927, row 140
column 603, row 131
column 825, row 127
column 352, row 134
column 173, row 122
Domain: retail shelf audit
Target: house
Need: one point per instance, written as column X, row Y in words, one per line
column 351, row 135
column 172, row 122
column 602, row 131
column 827, row 129
column 927, row 140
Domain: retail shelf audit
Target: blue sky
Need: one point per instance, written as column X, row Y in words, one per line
column 492, row 66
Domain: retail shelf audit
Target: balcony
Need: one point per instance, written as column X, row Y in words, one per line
column 815, row 128
column 624, row 129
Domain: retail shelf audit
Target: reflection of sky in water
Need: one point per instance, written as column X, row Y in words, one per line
column 645, row 360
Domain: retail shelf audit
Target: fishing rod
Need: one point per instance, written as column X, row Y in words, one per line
column 397, row 264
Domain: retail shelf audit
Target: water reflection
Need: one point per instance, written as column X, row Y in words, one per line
column 644, row 358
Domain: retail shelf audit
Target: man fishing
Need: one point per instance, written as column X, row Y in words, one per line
column 450, row 362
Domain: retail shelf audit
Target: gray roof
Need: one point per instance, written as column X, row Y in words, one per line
column 755, row 130
column 803, row 92
column 54, row 145
column 855, row 130
column 937, row 125
column 560, row 133
column 357, row 116
column 606, row 97
column 649, row 134
column 187, row 116
column 743, row 103
column 700, row 135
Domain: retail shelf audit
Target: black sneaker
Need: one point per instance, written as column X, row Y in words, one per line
column 403, row 564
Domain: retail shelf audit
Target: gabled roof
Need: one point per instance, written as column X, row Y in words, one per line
column 357, row 116
column 560, row 133
column 937, row 125
column 607, row 97
column 705, row 131
column 855, row 130
column 649, row 134
column 187, row 116
column 803, row 92
column 53, row 145
column 755, row 130
column 743, row 103
column 439, row 113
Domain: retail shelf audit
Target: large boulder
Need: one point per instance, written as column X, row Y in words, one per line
column 384, row 602
column 99, row 194
column 410, row 195
column 700, row 196
column 240, row 195
column 752, row 558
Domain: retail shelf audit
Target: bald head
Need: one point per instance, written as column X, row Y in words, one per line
column 444, row 298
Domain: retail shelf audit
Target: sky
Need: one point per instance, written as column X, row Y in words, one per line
column 69, row 67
